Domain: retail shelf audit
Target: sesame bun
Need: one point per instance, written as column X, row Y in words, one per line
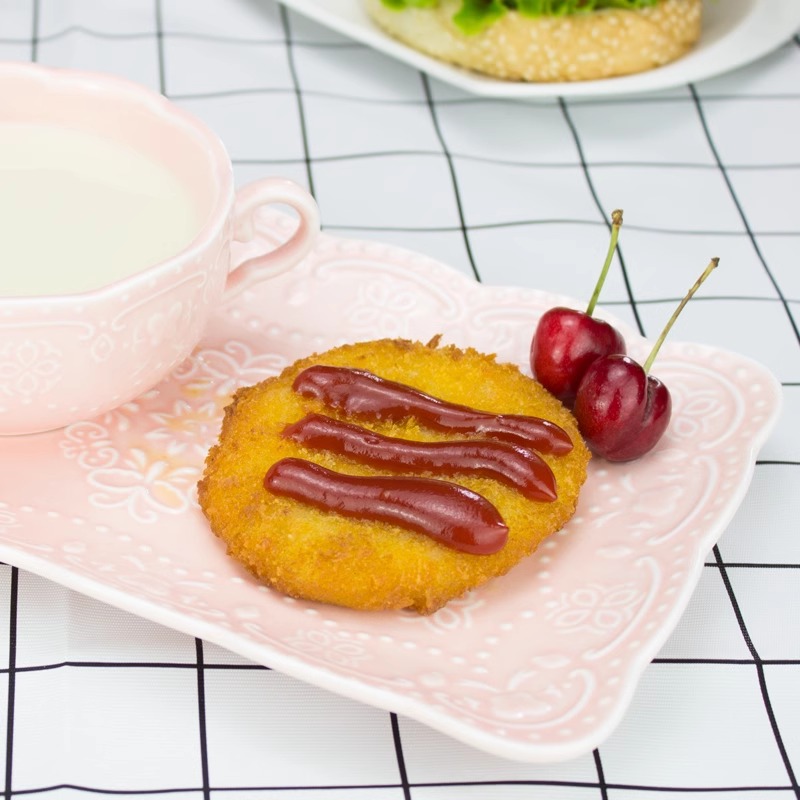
column 576, row 47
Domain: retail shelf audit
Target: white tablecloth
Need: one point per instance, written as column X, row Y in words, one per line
column 94, row 701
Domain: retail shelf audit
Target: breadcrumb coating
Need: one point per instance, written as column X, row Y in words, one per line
column 321, row 556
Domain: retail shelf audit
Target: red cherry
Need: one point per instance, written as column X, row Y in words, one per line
column 622, row 412
column 565, row 345
column 567, row 341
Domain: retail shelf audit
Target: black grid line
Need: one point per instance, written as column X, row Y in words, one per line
column 401, row 761
column 481, row 159
column 688, row 790
column 699, row 791
column 287, row 31
column 475, row 226
column 742, row 662
column 159, row 18
column 635, row 787
column 445, row 102
column 187, row 665
column 453, row 175
column 753, row 565
column 34, row 40
column 605, row 213
column 201, row 717
column 601, row 778
column 178, row 665
column 103, row 792
column 762, row 679
column 83, row 30
column 211, row 667
column 12, row 681
column 726, row 177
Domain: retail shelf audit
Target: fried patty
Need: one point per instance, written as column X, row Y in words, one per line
column 319, row 555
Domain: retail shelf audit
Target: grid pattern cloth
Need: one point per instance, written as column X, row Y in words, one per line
column 95, row 702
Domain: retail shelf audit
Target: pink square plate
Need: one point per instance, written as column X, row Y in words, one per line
column 539, row 665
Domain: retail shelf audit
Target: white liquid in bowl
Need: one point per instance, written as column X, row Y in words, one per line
column 78, row 211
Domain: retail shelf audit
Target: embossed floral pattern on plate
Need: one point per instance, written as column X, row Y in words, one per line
column 536, row 666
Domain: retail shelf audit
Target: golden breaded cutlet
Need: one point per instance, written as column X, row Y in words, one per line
column 319, row 555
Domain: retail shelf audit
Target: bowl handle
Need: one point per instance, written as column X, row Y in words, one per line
column 267, row 265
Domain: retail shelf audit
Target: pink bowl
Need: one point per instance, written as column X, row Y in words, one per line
column 67, row 357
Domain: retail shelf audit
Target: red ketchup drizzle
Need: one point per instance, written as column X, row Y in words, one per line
column 449, row 513
column 515, row 466
column 363, row 394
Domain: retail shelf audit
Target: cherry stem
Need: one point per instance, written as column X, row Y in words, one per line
column 616, row 224
column 657, row 346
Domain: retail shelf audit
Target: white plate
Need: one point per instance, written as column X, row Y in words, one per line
column 539, row 665
column 735, row 32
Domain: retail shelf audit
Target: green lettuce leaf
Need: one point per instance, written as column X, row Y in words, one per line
column 475, row 16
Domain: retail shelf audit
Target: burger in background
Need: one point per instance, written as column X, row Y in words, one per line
column 545, row 40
